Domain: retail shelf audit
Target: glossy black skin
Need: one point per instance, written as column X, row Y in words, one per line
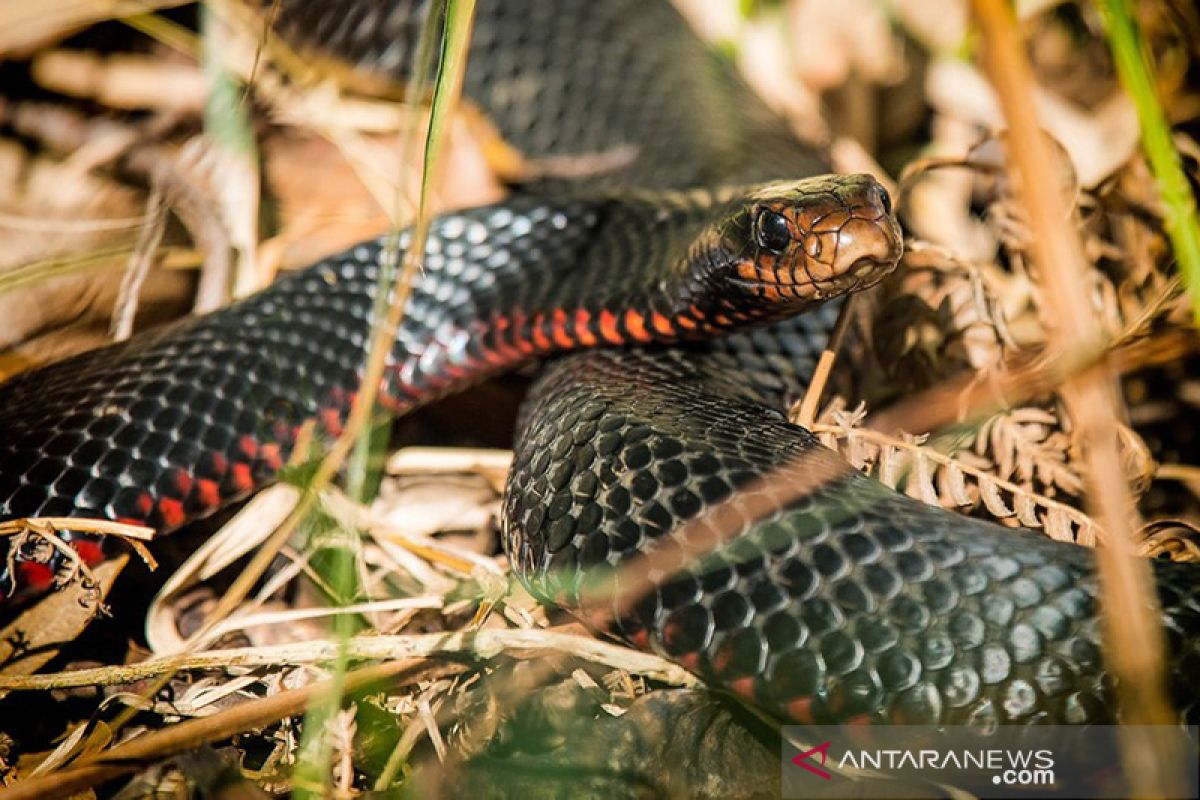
column 849, row 603
column 852, row 602
column 622, row 88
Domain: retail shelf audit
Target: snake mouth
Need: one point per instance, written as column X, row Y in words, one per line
column 863, row 274
column 864, row 252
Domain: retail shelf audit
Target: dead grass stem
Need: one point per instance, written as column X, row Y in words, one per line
column 1132, row 631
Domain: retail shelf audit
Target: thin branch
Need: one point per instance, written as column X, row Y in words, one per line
column 480, row 645
column 816, row 387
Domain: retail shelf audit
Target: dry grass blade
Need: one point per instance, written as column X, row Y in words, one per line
column 23, row 26
column 482, row 645
column 1019, row 380
column 1177, row 538
column 1133, row 635
column 110, row 258
column 105, row 527
column 812, row 396
column 491, row 464
column 144, row 252
column 133, row 754
column 31, row 223
column 364, row 404
column 48, row 527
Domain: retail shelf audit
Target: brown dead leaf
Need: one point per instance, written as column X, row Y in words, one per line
column 37, row 634
column 26, row 26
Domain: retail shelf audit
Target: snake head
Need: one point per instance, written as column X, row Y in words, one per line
column 788, row 246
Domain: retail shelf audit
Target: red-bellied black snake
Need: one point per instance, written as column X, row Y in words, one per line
column 663, row 287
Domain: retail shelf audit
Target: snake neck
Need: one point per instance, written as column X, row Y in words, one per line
column 499, row 286
column 497, row 291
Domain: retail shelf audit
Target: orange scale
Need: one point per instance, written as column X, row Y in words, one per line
column 171, row 511
column 208, row 493
column 800, row 710
column 743, row 686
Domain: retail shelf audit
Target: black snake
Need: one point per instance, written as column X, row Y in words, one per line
column 842, row 602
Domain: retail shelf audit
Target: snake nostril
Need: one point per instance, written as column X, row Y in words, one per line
column 861, row 265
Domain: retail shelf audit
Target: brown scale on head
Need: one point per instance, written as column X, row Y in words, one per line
column 792, row 245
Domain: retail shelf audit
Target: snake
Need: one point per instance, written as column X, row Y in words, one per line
column 673, row 258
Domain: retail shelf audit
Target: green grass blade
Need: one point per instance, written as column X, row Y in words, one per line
column 1137, row 74
column 312, row 769
column 451, row 65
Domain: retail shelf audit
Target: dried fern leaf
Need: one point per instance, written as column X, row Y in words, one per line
column 954, row 485
column 890, row 466
column 1177, row 538
column 989, row 491
column 920, row 483
column 1026, row 510
column 939, row 479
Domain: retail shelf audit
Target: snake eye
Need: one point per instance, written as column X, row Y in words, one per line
column 772, row 231
column 885, row 200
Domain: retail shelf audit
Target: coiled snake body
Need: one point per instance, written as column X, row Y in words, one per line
column 839, row 600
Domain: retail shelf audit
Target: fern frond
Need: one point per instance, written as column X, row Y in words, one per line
column 907, row 463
